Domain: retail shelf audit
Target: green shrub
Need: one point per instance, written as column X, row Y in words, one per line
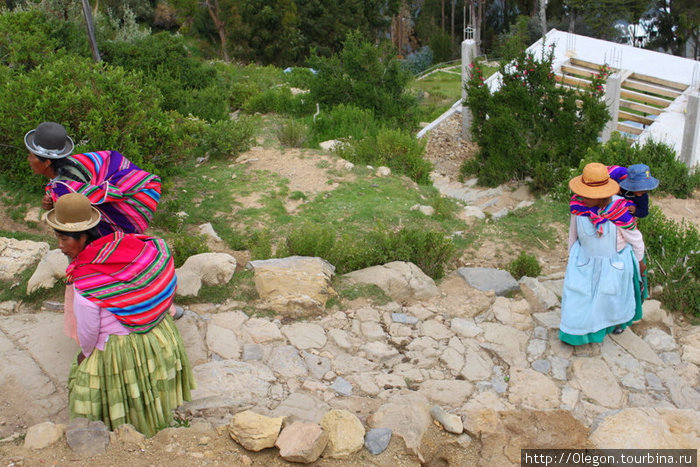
column 396, row 149
column 188, row 84
column 102, row 107
column 367, row 76
column 291, row 133
column 441, row 45
column 30, row 37
column 428, row 250
column 186, row 245
column 673, row 260
column 674, row 176
column 524, row 265
column 277, row 100
column 530, row 127
column 226, row 139
column 343, row 122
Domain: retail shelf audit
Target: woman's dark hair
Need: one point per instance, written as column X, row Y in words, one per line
column 62, row 167
column 92, row 234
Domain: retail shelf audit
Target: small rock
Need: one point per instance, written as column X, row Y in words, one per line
column 450, row 422
column 253, row 431
column 43, row 435
column 403, row 318
column 87, row 438
column 346, row 435
column 302, row 442
column 342, row 386
column 383, row 171
column 377, row 440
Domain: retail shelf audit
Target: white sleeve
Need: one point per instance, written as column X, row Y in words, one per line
column 573, row 231
column 635, row 240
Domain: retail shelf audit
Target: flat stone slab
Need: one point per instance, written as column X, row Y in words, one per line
column 486, row 279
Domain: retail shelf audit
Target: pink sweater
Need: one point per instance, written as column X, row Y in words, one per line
column 95, row 324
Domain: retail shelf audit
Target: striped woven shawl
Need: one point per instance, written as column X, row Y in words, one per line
column 131, row 275
column 615, row 212
column 126, row 196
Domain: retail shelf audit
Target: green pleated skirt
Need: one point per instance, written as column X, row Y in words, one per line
column 137, row 379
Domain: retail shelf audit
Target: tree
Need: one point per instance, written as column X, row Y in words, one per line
column 530, row 127
column 366, row 76
column 677, row 22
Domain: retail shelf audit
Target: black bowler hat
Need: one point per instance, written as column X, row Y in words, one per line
column 49, row 140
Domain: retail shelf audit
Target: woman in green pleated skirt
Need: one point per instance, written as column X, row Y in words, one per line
column 137, row 379
column 132, row 366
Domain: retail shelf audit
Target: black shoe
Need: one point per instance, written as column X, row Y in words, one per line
column 179, row 312
column 617, row 330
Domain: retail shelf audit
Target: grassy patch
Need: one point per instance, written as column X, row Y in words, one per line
column 351, row 291
column 240, row 288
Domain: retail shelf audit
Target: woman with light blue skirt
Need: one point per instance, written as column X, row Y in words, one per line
column 602, row 291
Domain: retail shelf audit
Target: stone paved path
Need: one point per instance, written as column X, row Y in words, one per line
column 487, row 352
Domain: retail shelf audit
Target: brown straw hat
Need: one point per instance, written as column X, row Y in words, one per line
column 73, row 213
column 594, row 183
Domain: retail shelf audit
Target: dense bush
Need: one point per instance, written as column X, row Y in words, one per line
column 187, row 83
column 102, row 107
column 396, row 149
column 530, row 127
column 343, row 122
column 673, row 258
column 27, row 38
column 291, row 133
column 367, row 76
column 186, row 245
column 524, row 265
column 429, row 250
column 278, row 100
column 673, row 174
column 226, row 139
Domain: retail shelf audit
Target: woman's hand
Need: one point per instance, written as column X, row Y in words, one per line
column 632, row 208
column 81, row 357
column 47, row 202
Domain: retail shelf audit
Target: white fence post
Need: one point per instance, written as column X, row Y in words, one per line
column 690, row 146
column 468, row 56
column 612, row 101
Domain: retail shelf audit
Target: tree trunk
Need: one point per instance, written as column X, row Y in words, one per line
column 452, row 20
column 543, row 16
column 442, row 23
column 215, row 14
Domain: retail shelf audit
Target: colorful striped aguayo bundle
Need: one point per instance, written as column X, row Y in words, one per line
column 131, row 275
column 126, row 196
column 615, row 212
column 617, row 172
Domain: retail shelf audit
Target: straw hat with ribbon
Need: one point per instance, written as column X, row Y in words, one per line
column 594, row 183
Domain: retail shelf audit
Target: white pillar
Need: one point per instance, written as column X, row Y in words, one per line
column 612, row 101
column 468, row 56
column 690, row 146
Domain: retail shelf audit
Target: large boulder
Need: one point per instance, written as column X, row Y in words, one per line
column 408, row 415
column 504, row 433
column 651, row 428
column 346, row 435
column 294, row 286
column 212, row 268
column 51, row 268
column 400, row 280
column 253, row 431
column 18, row 255
column 497, row 280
